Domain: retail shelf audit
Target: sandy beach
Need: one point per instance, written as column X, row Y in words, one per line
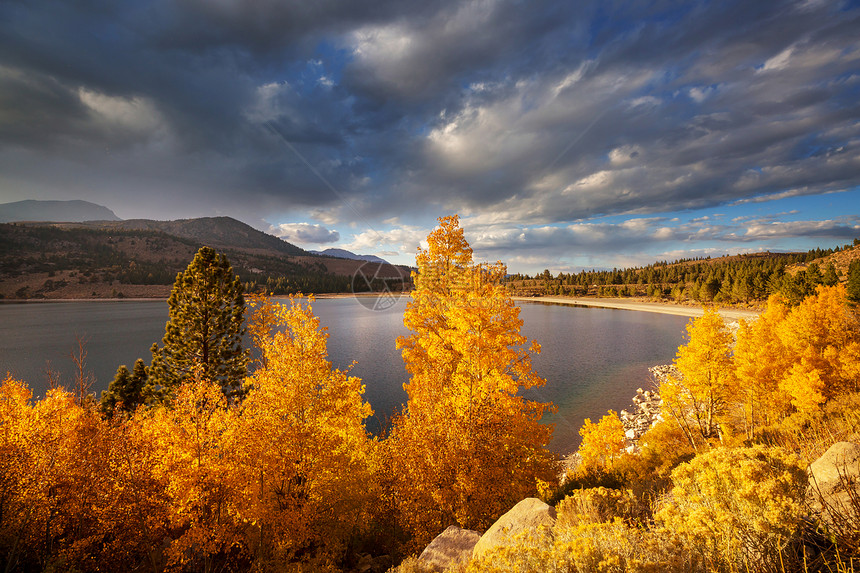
column 642, row 306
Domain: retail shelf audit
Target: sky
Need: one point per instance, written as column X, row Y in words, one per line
column 566, row 135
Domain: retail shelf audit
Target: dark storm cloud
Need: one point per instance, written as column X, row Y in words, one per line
column 536, row 112
column 729, row 114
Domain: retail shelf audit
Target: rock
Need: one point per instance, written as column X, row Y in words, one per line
column 646, row 410
column 841, row 460
column 451, row 547
column 530, row 514
column 834, row 483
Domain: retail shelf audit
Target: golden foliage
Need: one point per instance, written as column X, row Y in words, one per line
column 698, row 398
column 795, row 360
column 737, row 507
column 300, row 443
column 468, row 446
column 195, row 464
column 602, row 443
column 588, row 545
column 761, row 361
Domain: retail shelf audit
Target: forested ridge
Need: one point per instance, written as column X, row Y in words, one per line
column 740, row 279
column 205, row 460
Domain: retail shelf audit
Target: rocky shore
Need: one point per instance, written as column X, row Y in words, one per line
column 644, row 413
column 638, row 419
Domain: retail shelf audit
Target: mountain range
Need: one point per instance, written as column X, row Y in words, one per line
column 74, row 211
column 141, row 257
column 344, row 254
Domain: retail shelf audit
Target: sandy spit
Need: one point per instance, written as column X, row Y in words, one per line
column 642, row 306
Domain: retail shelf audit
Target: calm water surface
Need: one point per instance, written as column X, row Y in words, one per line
column 593, row 359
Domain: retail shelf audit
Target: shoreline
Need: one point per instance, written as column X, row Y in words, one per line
column 641, row 306
column 585, row 302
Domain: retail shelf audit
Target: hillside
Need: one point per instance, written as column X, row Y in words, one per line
column 75, row 211
column 216, row 232
column 140, row 258
column 739, row 280
column 841, row 260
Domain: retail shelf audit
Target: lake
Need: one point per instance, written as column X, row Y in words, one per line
column 593, row 358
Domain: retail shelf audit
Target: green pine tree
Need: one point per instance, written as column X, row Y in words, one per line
column 127, row 389
column 854, row 281
column 204, row 334
column 813, row 277
column 831, row 278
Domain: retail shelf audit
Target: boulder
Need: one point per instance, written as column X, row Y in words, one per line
column 841, row 461
column 451, row 547
column 834, row 482
column 530, row 515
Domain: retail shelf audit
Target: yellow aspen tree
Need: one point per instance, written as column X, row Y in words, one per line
column 196, row 464
column 468, row 445
column 823, row 335
column 51, row 451
column 301, row 443
column 602, row 443
column 18, row 474
column 698, row 397
column 134, row 505
column 761, row 361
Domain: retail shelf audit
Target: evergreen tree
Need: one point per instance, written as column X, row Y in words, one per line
column 126, row 389
column 813, row 278
column 830, row 278
column 204, row 334
column 854, row 281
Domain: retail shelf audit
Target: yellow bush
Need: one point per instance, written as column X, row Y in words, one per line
column 738, row 507
column 663, row 447
column 591, row 548
column 595, row 505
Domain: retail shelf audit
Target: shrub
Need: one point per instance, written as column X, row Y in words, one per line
column 738, row 507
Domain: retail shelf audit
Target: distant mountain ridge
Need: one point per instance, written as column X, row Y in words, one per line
column 344, row 254
column 216, row 232
column 55, row 211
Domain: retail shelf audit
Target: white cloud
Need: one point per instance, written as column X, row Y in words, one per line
column 135, row 113
column 269, row 103
column 782, row 229
column 404, row 240
column 779, row 61
column 304, row 233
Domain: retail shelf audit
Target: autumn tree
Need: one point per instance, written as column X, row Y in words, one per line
column 602, row 443
column 194, row 460
column 301, row 444
column 204, row 332
column 822, row 335
column 52, row 456
column 761, row 361
column 468, row 444
column 697, row 398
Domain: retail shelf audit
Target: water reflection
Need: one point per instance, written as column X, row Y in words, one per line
column 593, row 358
